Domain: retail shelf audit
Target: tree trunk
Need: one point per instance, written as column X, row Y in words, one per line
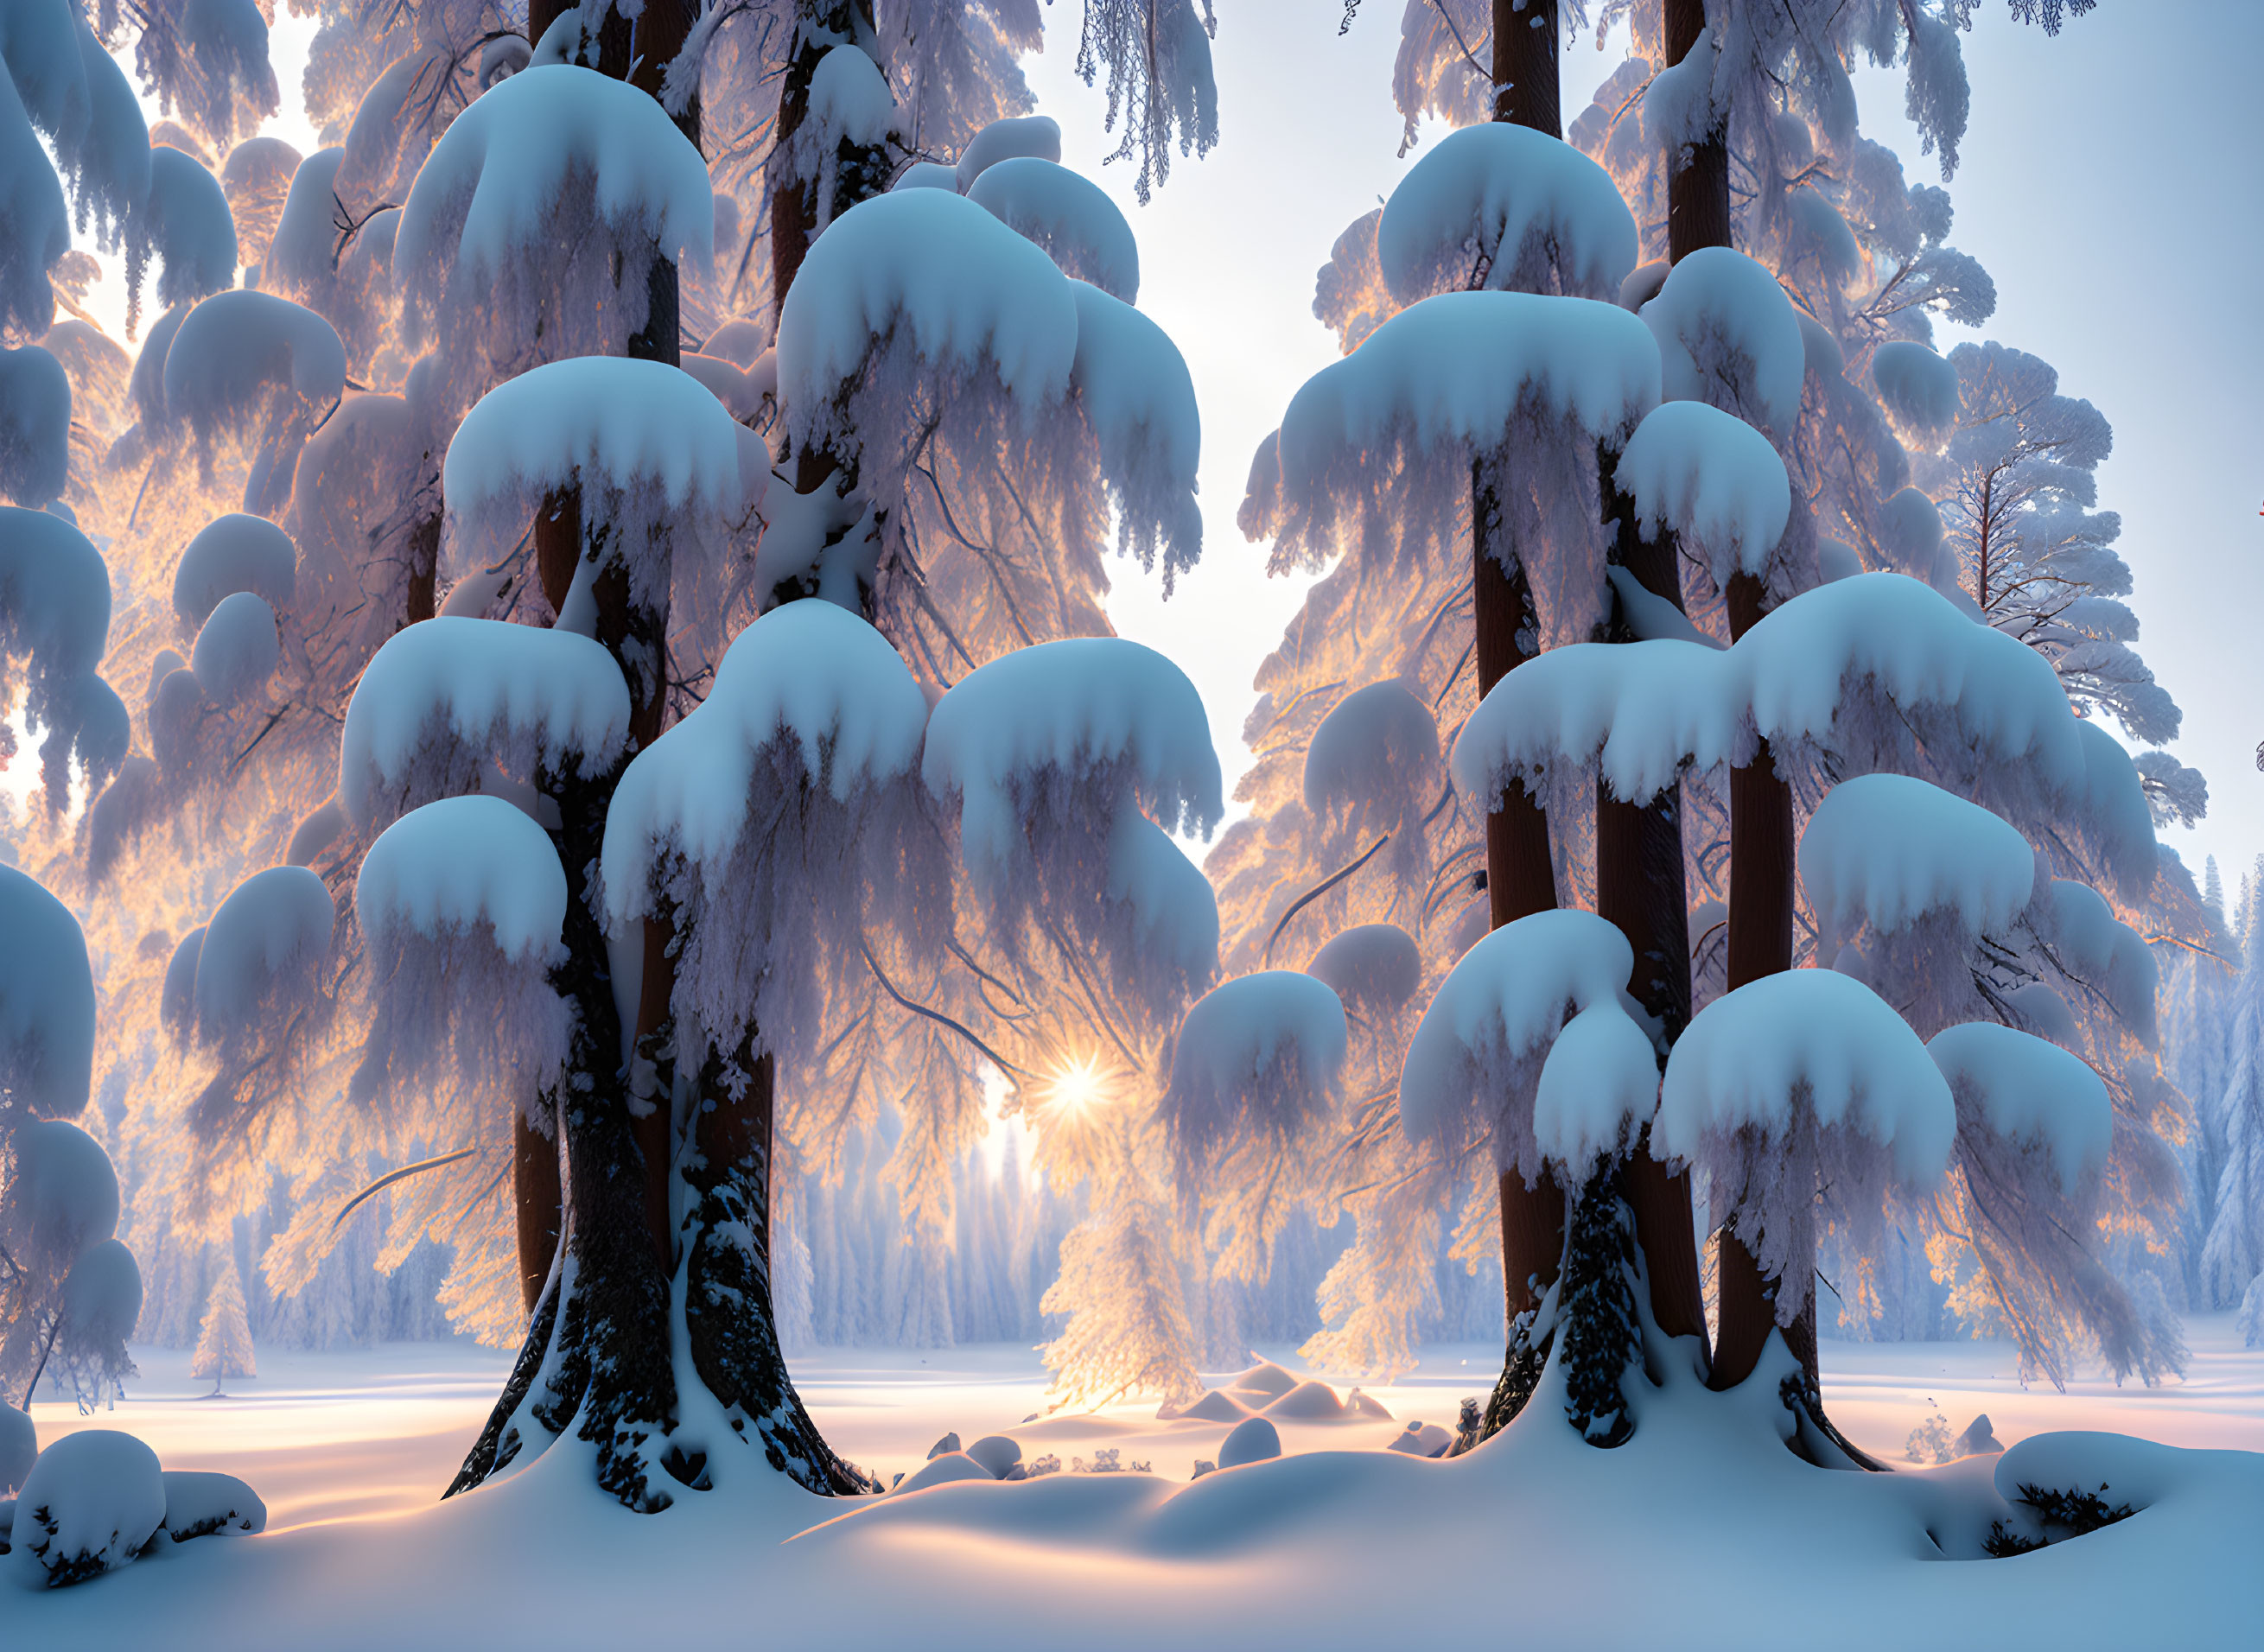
column 538, row 1196
column 1698, row 191
column 795, row 211
column 1639, row 888
column 1524, row 90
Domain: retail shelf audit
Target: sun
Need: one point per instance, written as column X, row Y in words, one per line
column 1077, row 1087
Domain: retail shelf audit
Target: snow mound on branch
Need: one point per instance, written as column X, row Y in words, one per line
column 54, row 596
column 1811, row 1041
column 189, row 227
column 927, row 175
column 1052, row 717
column 1728, row 336
column 34, row 223
column 36, row 415
column 1908, row 645
column 91, row 1501
column 1920, row 387
column 1259, row 1055
column 199, row 1504
column 1136, row 393
column 1378, row 748
column 1638, row 712
column 1476, row 1056
column 2104, row 953
column 46, row 1000
column 1172, row 906
column 237, row 649
column 443, row 696
column 177, row 998
column 604, row 421
column 234, row 347
column 1544, row 216
column 486, row 197
column 1887, row 849
column 230, row 554
column 2114, row 815
column 1373, row 968
column 270, row 931
column 1714, row 480
column 807, row 677
column 2029, row 1090
column 936, row 275
column 1038, row 136
column 65, row 1190
column 849, row 102
column 1598, row 1087
column 102, row 1297
column 647, row 445
column 1066, row 213
column 466, row 863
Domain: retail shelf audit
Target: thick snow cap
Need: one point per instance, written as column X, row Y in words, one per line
column 1638, row 711
column 1069, row 215
column 2116, row 815
column 54, row 594
column 1812, row 1038
column 2103, row 952
column 1544, row 217
column 230, row 554
column 1137, row 395
column 1729, row 336
column 235, row 346
column 1920, row 388
column 36, row 415
column 1886, row 849
column 1034, row 135
column 463, row 865
column 933, row 274
column 46, row 1001
column 1070, row 709
column 807, row 674
column 1483, row 1038
column 1260, row 1056
column 273, row 929
column 1890, row 638
column 34, row 223
column 237, row 649
column 1598, row 1087
column 1378, row 748
column 189, row 229
column 1373, row 968
column 524, row 694
column 486, row 194
column 1711, row 478
column 2029, row 1090
column 65, row 1189
column 601, row 422
column 1450, row 375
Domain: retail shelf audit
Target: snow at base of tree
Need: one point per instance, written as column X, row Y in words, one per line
column 1886, row 850
column 2030, row 1090
column 442, row 699
column 91, row 1501
column 1540, row 216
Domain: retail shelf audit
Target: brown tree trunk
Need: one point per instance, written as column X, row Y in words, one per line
column 1639, row 888
column 1698, row 191
column 819, row 24
column 538, row 1196
column 1524, row 90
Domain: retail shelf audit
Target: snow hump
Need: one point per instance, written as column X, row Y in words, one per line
column 934, row 274
column 1479, row 1045
column 1261, row 1055
column 274, row 925
column 46, row 1001
column 1544, row 216
column 1728, row 336
column 1034, row 135
column 444, row 694
column 1712, row 479
column 1067, row 214
column 1373, row 968
column 466, row 865
column 234, row 345
column 1137, row 395
column 808, row 676
column 1060, row 712
column 1638, row 712
column 2029, row 1090
column 1886, row 850
column 1810, row 1039
column 230, row 554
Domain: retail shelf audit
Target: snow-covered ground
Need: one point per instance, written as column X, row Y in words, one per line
column 1344, row 1545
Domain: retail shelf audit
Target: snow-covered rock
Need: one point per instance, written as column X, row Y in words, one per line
column 201, row 1504
column 91, row 1501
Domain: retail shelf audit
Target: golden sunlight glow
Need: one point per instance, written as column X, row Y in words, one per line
column 1077, row 1086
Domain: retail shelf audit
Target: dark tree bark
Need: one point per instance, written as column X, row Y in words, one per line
column 1698, row 191
column 1525, row 89
column 796, row 215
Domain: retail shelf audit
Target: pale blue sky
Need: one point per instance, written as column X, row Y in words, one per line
column 2111, row 181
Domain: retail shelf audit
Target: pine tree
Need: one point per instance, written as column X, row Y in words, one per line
column 224, row 1339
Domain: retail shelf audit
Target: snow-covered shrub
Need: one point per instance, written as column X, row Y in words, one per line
column 90, row 1503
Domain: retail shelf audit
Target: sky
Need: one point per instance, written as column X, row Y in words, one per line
column 2110, row 181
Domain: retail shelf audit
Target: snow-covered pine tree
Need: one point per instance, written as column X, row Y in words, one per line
column 224, row 1337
